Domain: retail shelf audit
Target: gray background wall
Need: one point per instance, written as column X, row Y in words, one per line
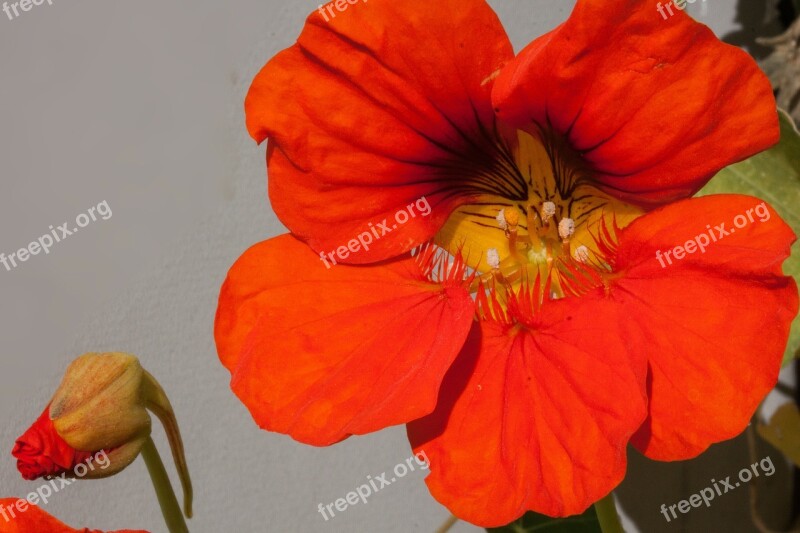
column 140, row 104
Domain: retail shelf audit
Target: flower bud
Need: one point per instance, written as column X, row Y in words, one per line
column 100, row 403
column 100, row 409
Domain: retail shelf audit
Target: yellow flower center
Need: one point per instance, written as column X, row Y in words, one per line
column 543, row 208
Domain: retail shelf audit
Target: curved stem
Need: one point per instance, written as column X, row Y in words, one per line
column 449, row 523
column 607, row 515
column 170, row 508
column 158, row 403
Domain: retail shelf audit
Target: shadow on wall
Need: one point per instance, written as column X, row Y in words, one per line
column 651, row 484
column 759, row 18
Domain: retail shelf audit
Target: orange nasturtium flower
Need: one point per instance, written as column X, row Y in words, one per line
column 557, row 180
column 19, row 516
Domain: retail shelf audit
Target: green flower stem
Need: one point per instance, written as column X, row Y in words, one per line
column 449, row 523
column 607, row 515
column 170, row 508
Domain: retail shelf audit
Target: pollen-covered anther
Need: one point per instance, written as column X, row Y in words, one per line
column 548, row 211
column 511, row 216
column 493, row 258
column 566, row 228
column 581, row 254
column 501, row 220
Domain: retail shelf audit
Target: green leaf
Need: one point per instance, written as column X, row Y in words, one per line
column 774, row 176
column 532, row 522
column 783, row 431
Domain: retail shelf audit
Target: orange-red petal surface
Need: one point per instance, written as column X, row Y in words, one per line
column 714, row 324
column 19, row 516
column 42, row 452
column 321, row 354
column 534, row 419
column 382, row 105
column 656, row 107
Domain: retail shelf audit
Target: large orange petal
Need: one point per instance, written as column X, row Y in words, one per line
column 534, row 419
column 381, row 106
column 656, row 107
column 34, row 520
column 321, row 354
column 713, row 324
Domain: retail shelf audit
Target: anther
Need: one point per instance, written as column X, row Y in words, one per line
column 548, row 211
column 501, row 220
column 493, row 258
column 581, row 254
column 511, row 216
column 566, row 228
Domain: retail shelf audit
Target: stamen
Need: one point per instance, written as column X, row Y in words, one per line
column 511, row 216
column 493, row 258
column 501, row 220
column 581, row 254
column 495, row 275
column 566, row 228
column 548, row 211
